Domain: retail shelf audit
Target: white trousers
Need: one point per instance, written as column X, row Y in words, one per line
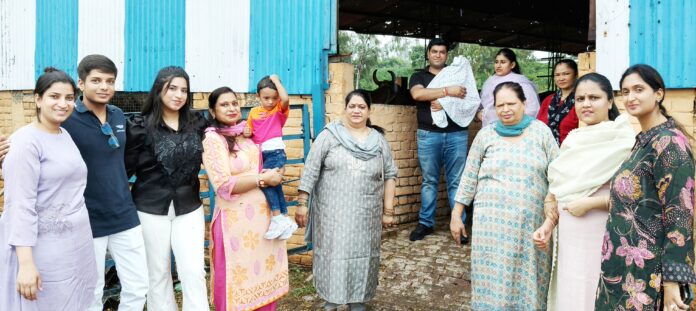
column 183, row 234
column 128, row 251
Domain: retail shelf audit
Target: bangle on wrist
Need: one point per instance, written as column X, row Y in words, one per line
column 445, row 89
column 258, row 180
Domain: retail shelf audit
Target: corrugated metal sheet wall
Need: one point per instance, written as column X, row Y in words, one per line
column 663, row 35
column 155, row 38
column 220, row 42
column 217, row 44
column 17, row 37
column 56, row 36
column 103, row 33
column 289, row 38
column 612, row 39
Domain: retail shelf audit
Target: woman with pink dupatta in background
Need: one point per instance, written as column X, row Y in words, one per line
column 248, row 272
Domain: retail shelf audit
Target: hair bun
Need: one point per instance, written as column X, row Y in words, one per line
column 50, row 69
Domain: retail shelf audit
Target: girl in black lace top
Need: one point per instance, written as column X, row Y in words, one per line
column 164, row 148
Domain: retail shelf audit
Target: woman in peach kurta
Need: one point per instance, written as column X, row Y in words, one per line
column 248, row 272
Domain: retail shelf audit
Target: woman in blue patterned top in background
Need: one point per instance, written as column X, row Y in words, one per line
column 506, row 179
column 648, row 248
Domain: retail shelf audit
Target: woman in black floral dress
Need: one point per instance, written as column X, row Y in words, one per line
column 648, row 247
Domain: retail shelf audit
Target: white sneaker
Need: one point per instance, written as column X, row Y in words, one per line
column 292, row 226
column 277, row 227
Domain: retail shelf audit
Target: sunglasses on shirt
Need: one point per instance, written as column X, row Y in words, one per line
column 113, row 141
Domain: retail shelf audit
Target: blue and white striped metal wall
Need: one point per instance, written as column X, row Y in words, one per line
column 218, row 42
column 659, row 33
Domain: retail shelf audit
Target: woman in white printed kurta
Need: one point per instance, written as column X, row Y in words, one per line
column 505, row 178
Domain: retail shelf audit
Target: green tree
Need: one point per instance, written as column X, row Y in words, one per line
column 417, row 56
column 364, row 50
column 404, row 57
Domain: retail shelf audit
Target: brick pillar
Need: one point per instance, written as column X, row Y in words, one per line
column 341, row 82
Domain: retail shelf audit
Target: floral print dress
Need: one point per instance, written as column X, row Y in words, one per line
column 650, row 227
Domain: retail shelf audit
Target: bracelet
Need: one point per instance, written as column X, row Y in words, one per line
column 259, row 182
column 550, row 201
column 445, row 89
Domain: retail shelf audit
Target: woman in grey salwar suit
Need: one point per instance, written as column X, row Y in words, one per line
column 350, row 176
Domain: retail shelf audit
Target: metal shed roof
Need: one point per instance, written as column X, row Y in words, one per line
column 560, row 26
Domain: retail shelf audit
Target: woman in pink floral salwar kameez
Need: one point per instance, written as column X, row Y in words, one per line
column 248, row 272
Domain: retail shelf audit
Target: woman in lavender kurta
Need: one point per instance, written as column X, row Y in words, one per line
column 507, row 69
column 46, row 250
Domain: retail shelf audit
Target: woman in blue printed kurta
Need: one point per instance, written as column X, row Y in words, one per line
column 505, row 177
column 648, row 246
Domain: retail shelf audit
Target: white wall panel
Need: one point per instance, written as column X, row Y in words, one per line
column 217, row 44
column 17, row 42
column 101, row 31
column 612, row 39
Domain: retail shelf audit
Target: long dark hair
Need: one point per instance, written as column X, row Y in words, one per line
column 605, row 86
column 366, row 97
column 50, row 77
column 152, row 109
column 653, row 78
column 212, row 101
column 512, row 57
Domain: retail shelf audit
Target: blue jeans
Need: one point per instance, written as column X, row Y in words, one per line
column 434, row 150
column 274, row 194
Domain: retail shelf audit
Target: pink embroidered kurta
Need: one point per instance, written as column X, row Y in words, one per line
column 253, row 271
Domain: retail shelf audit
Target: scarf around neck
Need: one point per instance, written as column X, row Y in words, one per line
column 228, row 131
column 513, row 130
column 556, row 113
column 589, row 157
column 365, row 150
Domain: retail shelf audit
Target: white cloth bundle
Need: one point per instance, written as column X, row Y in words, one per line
column 460, row 110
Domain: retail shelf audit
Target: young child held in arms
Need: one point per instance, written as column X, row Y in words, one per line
column 265, row 127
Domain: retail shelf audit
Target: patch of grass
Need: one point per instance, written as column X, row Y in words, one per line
column 300, row 286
